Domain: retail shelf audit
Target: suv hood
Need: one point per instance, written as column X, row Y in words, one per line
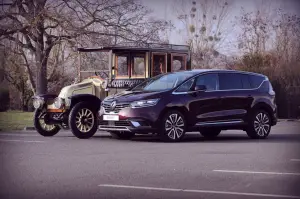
column 130, row 96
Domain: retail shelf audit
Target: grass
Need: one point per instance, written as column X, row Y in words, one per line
column 15, row 120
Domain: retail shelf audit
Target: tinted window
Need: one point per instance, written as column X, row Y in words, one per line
column 186, row 86
column 229, row 81
column 163, row 82
column 209, row 80
column 256, row 80
column 245, row 81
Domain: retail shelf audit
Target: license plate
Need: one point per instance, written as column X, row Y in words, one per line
column 111, row 117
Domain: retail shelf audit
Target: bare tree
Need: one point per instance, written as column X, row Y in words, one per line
column 39, row 25
column 206, row 27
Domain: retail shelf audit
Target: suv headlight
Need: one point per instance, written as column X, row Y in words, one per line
column 144, row 103
column 59, row 103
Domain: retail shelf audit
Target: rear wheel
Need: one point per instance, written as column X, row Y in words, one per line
column 83, row 120
column 40, row 124
column 172, row 128
column 259, row 125
column 122, row 135
column 210, row 133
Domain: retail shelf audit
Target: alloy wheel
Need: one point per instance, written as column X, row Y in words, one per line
column 174, row 126
column 84, row 120
column 262, row 124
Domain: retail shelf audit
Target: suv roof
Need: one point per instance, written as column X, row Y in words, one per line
column 225, row 70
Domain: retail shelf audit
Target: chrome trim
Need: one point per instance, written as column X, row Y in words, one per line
column 119, row 128
column 249, row 89
column 216, row 123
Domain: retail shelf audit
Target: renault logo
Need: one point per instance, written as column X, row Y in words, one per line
column 113, row 105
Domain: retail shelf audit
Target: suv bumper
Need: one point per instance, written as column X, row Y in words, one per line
column 137, row 120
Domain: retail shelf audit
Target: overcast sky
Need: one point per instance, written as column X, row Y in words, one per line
column 163, row 9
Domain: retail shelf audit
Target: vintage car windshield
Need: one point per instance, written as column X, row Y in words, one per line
column 162, row 82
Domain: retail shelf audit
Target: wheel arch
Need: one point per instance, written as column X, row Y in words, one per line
column 265, row 107
column 181, row 109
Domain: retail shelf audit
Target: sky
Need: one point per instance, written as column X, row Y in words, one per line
column 164, row 9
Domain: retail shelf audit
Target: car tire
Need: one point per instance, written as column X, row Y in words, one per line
column 43, row 128
column 122, row 135
column 172, row 127
column 259, row 126
column 210, row 133
column 83, row 120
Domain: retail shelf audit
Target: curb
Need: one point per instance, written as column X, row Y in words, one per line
column 29, row 128
column 288, row 120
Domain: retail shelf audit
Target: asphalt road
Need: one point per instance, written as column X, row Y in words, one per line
column 232, row 166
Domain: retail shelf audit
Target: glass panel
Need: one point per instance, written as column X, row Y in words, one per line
column 256, row 80
column 138, row 67
column 178, row 63
column 159, row 64
column 186, row 86
column 122, row 66
column 230, row 81
column 209, row 80
column 163, row 82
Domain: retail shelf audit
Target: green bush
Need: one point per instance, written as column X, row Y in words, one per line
column 4, row 99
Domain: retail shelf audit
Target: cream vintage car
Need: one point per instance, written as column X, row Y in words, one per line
column 75, row 107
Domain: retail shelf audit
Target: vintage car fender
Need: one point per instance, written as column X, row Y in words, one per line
column 92, row 99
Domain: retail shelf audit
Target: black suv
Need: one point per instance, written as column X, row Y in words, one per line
column 197, row 100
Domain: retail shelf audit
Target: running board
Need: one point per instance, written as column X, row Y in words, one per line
column 217, row 123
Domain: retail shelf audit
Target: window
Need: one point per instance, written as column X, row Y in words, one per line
column 122, row 65
column 158, row 64
column 256, row 80
column 186, row 86
column 138, row 66
column 245, row 81
column 178, row 62
column 209, row 80
column 163, row 82
column 230, row 81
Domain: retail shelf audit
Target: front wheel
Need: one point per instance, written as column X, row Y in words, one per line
column 122, row 135
column 83, row 120
column 172, row 128
column 259, row 125
column 40, row 124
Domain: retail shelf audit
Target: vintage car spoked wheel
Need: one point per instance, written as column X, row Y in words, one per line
column 82, row 120
column 40, row 124
column 210, row 133
column 123, row 135
column 260, row 126
column 173, row 126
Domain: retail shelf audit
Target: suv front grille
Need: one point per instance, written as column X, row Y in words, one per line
column 116, row 109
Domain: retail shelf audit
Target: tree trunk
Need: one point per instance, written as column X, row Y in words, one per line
column 41, row 76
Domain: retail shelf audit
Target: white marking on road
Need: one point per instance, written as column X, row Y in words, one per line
column 295, row 160
column 30, row 141
column 18, row 134
column 199, row 191
column 257, row 172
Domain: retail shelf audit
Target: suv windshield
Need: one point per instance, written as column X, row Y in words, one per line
column 163, row 82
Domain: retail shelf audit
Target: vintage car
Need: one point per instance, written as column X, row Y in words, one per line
column 77, row 105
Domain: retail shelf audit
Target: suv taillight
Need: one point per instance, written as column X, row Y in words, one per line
column 271, row 91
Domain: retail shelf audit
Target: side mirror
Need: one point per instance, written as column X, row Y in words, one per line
column 200, row 88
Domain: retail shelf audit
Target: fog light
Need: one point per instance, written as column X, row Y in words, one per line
column 135, row 124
